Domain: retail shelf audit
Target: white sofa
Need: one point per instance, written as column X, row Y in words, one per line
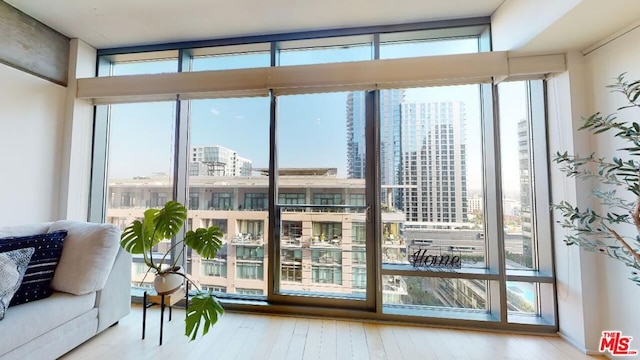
column 92, row 287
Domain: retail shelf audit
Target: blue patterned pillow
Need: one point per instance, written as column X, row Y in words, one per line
column 37, row 278
column 13, row 264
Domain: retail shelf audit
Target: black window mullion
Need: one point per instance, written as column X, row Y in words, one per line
column 372, row 190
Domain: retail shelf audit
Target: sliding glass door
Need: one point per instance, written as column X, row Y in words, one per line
column 229, row 144
column 321, row 199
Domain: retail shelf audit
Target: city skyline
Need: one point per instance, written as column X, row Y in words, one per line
column 308, row 136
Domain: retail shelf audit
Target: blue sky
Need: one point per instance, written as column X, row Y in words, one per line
column 312, row 127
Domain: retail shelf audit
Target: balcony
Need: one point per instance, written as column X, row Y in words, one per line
column 394, row 285
column 291, row 241
column 318, row 241
column 248, row 239
column 392, row 241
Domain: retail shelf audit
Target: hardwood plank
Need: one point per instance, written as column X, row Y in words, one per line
column 359, row 348
column 564, row 347
column 281, row 346
column 298, row 340
column 374, row 342
column 313, row 344
column 344, row 349
column 252, row 336
column 453, row 342
column 267, row 339
column 390, row 343
column 201, row 348
column 486, row 346
column 405, row 344
column 328, row 341
column 421, row 343
column 242, row 339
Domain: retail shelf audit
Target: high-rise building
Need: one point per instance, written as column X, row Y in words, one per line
column 390, row 145
column 216, row 160
column 525, row 189
column 355, row 135
column 434, row 161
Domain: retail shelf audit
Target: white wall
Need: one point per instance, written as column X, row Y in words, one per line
column 594, row 293
column 620, row 297
column 31, row 119
column 576, row 270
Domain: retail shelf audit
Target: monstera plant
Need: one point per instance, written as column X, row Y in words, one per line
column 140, row 237
column 613, row 228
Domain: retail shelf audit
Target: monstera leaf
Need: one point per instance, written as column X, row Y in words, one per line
column 132, row 238
column 204, row 309
column 139, row 236
column 169, row 220
column 158, row 224
column 206, row 242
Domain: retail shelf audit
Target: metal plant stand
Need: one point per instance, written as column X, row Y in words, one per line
column 163, row 300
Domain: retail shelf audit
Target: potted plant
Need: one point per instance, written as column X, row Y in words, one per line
column 613, row 228
column 159, row 224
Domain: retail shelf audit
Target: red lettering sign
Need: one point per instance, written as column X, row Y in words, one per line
column 616, row 344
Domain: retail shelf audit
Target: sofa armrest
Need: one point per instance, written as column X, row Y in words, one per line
column 114, row 300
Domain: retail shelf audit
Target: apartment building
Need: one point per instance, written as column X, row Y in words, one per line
column 322, row 248
column 216, row 160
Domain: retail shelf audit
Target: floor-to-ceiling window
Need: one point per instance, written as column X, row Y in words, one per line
column 350, row 196
column 140, row 162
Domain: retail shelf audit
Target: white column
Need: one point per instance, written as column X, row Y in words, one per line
column 75, row 166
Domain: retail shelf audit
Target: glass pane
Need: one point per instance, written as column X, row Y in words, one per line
column 522, row 297
column 323, row 51
column 422, row 293
column 323, row 249
column 517, row 176
column 229, row 141
column 427, row 47
column 141, row 141
column 431, row 164
column 232, row 57
column 145, row 63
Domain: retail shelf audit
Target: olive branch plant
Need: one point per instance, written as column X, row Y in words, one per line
column 618, row 192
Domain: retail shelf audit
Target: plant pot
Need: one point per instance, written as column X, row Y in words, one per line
column 167, row 283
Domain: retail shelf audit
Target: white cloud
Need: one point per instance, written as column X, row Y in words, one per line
column 239, row 117
column 215, row 112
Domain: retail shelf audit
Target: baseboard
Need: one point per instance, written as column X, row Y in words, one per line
column 581, row 348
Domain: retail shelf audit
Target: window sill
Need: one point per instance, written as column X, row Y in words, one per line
column 464, row 273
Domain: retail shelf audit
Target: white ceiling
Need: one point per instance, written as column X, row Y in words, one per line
column 114, row 23
column 587, row 23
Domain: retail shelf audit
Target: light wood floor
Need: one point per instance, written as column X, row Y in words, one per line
column 247, row 336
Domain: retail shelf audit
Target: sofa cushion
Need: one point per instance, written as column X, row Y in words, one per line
column 31, row 320
column 37, row 278
column 89, row 253
column 13, row 264
column 58, row 341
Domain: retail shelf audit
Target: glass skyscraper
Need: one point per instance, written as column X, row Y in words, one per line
column 434, row 161
column 390, row 141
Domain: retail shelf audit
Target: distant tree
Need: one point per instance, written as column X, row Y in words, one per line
column 418, row 294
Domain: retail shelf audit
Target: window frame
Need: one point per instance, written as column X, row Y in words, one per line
column 496, row 274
